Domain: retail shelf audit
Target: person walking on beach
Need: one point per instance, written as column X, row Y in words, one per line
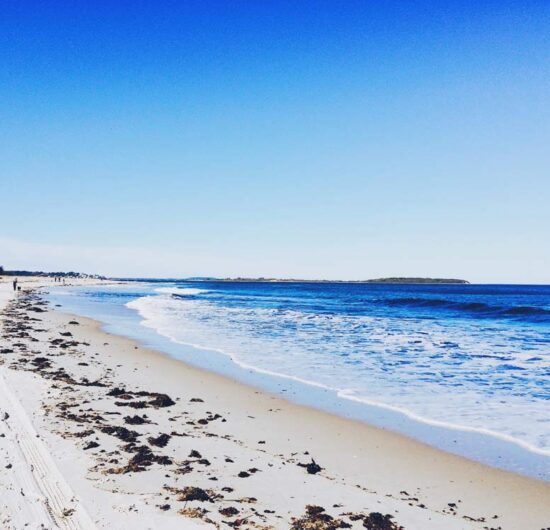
column 15, row 284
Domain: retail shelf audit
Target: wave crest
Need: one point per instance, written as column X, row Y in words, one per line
column 180, row 291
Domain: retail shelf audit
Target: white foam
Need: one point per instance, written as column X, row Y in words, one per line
column 181, row 291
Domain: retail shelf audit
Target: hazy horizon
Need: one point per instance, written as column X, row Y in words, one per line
column 277, row 139
column 92, row 261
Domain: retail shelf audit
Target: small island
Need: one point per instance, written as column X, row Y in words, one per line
column 418, row 280
column 405, row 280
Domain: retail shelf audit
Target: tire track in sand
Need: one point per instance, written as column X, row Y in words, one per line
column 53, row 501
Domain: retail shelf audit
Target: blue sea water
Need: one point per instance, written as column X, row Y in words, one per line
column 470, row 360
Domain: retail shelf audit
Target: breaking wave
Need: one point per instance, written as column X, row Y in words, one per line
column 448, row 371
column 180, row 291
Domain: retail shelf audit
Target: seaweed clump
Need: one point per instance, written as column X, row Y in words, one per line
column 316, row 518
column 377, row 521
column 312, row 468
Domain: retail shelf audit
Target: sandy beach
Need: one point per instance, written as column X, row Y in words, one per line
column 97, row 431
column 280, row 265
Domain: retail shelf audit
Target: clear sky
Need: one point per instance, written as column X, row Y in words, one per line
column 317, row 139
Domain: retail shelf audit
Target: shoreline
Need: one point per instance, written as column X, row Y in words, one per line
column 484, row 446
column 373, row 469
column 400, row 421
column 312, row 405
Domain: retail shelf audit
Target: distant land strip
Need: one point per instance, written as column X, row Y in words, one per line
column 71, row 274
column 377, row 280
column 204, row 279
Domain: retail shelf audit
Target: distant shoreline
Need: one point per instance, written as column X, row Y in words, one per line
column 392, row 280
column 406, row 281
column 411, row 281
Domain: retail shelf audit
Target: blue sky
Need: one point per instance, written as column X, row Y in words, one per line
column 294, row 139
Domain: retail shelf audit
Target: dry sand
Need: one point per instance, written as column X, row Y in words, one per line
column 197, row 449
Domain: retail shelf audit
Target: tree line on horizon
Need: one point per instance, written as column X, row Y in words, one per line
column 70, row 274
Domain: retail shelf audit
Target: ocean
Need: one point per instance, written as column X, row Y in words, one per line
column 463, row 367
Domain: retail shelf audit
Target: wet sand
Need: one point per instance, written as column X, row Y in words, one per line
column 133, row 438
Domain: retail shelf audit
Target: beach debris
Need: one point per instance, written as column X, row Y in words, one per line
column 122, row 433
column 248, row 500
column 92, row 417
column 183, row 470
column 477, row 520
column 116, row 391
column 195, row 513
column 41, row 363
column 312, row 468
column 160, row 441
column 316, row 518
column 193, row 493
column 377, row 521
column 86, row 382
column 143, row 459
column 83, row 434
column 158, row 400
column 135, row 420
column 162, row 400
column 230, row 511
column 133, row 404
